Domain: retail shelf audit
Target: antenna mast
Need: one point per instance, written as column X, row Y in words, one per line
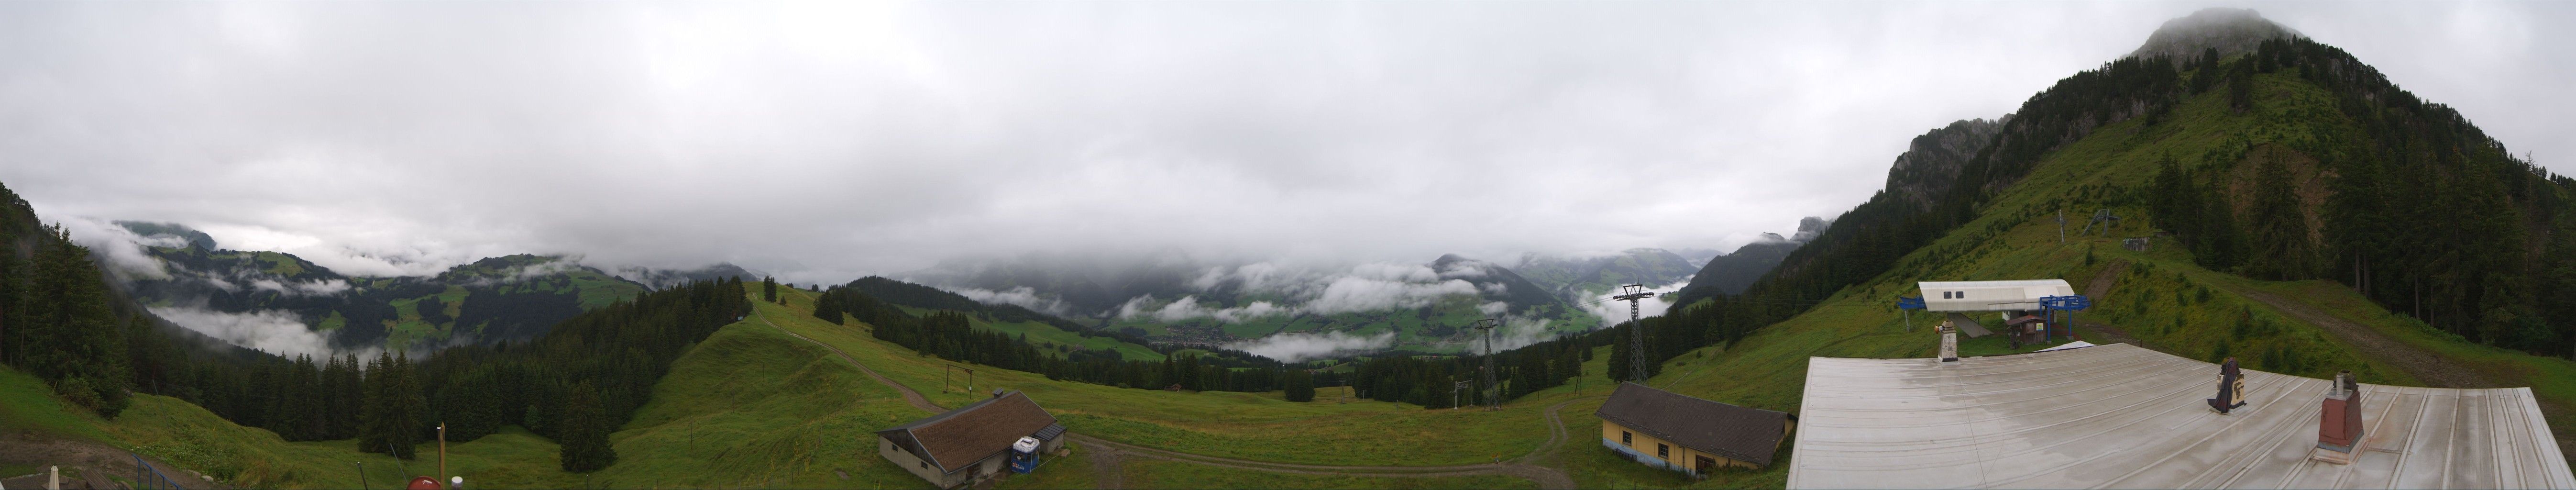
column 1488, row 325
column 1636, row 330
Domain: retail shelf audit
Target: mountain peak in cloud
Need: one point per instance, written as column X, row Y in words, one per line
column 2229, row 30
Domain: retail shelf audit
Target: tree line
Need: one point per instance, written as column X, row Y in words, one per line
column 1432, row 380
column 2426, row 215
column 61, row 322
column 951, row 335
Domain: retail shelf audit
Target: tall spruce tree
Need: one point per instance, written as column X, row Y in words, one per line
column 2280, row 233
column 72, row 337
column 768, row 289
column 1300, row 385
column 828, row 307
column 1618, row 370
column 2240, row 85
column 585, row 433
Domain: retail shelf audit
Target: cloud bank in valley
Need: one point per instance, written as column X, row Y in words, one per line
column 271, row 331
column 1616, row 312
column 1376, row 286
column 1301, row 346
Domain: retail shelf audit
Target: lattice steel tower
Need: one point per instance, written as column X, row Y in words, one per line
column 1636, row 330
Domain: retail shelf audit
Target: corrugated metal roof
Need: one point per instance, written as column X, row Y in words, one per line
column 2125, row 417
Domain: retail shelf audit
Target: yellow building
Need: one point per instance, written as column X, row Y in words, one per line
column 1682, row 433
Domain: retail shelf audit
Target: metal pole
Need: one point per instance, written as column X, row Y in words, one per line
column 362, row 475
column 442, row 452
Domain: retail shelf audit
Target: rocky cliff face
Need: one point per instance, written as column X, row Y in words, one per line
column 2231, row 31
column 1930, row 165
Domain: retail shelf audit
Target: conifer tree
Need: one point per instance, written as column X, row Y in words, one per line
column 585, row 434
column 71, row 336
column 1300, row 385
column 828, row 307
column 2280, row 229
column 2240, row 85
column 768, row 289
column 1619, row 354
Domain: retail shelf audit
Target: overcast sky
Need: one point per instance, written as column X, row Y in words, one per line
column 824, row 141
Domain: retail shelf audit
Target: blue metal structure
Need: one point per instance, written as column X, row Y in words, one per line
column 2056, row 304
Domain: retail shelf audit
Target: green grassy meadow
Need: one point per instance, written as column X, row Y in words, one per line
column 1167, row 474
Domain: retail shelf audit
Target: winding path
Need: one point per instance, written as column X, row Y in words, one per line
column 1106, row 453
column 2424, row 365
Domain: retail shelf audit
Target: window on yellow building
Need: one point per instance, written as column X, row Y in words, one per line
column 1624, row 439
column 1663, row 451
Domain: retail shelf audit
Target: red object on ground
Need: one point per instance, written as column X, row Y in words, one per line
column 424, row 483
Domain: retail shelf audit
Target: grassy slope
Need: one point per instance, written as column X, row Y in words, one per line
column 753, row 407
column 1167, row 474
column 749, row 406
column 1259, row 426
column 188, row 436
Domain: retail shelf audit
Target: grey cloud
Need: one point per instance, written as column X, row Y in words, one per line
column 1023, row 296
column 272, row 331
column 828, row 140
column 1300, row 346
column 1616, row 312
column 122, row 248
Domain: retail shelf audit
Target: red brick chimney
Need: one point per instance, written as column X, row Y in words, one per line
column 2339, row 428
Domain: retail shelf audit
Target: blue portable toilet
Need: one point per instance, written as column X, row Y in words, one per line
column 1024, row 455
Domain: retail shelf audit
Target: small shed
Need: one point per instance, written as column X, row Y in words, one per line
column 966, row 445
column 2028, row 329
column 1687, row 434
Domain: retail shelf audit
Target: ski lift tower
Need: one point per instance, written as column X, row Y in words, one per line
column 1636, row 330
column 1487, row 325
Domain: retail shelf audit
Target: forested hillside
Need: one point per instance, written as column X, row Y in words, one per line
column 2316, row 167
column 490, row 300
column 580, row 380
column 1731, row 273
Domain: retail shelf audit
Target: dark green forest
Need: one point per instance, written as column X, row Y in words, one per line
column 62, row 322
column 2428, row 216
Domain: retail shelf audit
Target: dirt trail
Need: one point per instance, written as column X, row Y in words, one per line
column 909, row 396
column 1106, row 454
column 95, row 462
column 2425, row 366
column 2101, row 288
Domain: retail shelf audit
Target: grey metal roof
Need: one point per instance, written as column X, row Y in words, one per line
column 2121, row 416
column 1746, row 434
